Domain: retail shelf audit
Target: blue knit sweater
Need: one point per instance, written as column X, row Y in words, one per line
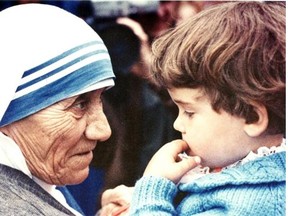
column 255, row 188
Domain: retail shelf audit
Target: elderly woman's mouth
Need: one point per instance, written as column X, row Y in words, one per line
column 86, row 153
column 84, row 158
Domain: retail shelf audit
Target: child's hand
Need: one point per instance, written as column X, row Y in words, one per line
column 166, row 162
column 116, row 201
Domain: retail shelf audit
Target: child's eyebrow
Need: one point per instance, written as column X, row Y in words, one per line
column 191, row 102
column 182, row 102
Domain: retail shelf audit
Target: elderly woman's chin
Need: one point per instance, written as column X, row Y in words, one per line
column 79, row 177
column 75, row 170
column 72, row 177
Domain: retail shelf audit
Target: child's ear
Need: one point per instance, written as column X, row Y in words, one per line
column 256, row 128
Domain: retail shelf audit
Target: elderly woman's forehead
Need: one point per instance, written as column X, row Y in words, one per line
column 94, row 93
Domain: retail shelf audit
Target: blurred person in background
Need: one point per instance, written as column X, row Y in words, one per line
column 144, row 119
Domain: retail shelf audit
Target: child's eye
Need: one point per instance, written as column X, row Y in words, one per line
column 188, row 114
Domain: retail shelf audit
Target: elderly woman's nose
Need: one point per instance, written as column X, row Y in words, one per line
column 98, row 128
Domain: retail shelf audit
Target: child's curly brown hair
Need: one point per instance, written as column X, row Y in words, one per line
column 235, row 52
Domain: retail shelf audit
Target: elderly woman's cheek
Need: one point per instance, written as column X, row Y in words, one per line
column 73, row 169
column 72, row 156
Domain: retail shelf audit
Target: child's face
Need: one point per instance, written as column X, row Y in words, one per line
column 218, row 138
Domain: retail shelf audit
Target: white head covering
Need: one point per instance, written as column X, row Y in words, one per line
column 46, row 55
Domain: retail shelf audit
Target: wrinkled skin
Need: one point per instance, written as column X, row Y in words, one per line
column 57, row 142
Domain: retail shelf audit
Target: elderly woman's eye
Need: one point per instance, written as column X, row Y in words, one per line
column 80, row 104
column 79, row 108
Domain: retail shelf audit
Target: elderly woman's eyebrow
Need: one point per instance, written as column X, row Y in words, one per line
column 75, row 99
column 81, row 97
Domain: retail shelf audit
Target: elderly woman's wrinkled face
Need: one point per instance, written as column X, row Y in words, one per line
column 57, row 142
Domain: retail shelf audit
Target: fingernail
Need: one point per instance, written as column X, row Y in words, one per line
column 197, row 159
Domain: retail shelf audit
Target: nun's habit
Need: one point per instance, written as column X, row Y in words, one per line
column 46, row 55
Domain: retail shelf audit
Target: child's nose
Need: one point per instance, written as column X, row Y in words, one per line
column 178, row 125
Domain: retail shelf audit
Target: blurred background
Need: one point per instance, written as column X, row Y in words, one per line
column 141, row 116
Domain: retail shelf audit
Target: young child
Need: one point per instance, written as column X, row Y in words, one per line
column 224, row 68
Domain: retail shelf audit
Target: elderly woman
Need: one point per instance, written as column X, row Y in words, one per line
column 53, row 70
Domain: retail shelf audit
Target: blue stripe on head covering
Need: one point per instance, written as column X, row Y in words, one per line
column 64, row 60
column 59, row 78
